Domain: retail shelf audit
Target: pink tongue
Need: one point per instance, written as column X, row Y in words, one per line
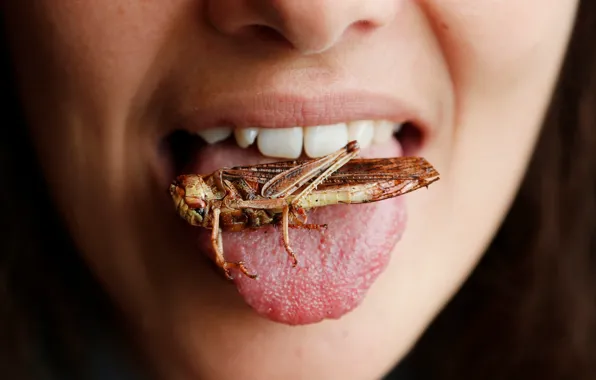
column 335, row 267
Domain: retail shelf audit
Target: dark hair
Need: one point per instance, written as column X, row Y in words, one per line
column 527, row 311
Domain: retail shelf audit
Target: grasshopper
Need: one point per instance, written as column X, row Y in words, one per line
column 281, row 193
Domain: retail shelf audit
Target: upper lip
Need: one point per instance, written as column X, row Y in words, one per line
column 284, row 110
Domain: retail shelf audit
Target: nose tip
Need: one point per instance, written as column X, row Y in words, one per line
column 309, row 26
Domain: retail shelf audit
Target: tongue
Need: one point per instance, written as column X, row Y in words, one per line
column 336, row 266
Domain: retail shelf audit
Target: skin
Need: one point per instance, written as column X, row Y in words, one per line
column 96, row 110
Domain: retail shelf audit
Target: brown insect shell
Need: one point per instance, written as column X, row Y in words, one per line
column 197, row 192
column 192, row 197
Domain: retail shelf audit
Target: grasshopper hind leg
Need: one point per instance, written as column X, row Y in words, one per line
column 285, row 224
column 220, row 261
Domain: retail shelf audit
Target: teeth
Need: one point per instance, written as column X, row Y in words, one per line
column 317, row 140
column 322, row 140
column 361, row 131
column 215, row 135
column 281, row 142
column 383, row 131
column 245, row 137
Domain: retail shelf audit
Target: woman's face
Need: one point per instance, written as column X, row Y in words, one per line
column 105, row 84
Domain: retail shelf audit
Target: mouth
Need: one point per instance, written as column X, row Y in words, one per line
column 183, row 147
column 337, row 266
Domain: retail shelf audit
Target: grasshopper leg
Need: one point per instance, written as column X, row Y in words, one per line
column 220, row 183
column 285, row 223
column 299, row 223
column 302, row 213
column 308, row 226
column 216, row 241
column 218, row 178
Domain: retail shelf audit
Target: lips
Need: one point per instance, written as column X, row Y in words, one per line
column 272, row 110
column 336, row 266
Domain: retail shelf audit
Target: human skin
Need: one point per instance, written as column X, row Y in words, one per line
column 95, row 77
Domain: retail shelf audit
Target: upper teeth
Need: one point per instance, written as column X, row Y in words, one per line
column 318, row 141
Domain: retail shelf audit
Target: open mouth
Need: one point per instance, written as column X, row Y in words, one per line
column 257, row 145
column 336, row 266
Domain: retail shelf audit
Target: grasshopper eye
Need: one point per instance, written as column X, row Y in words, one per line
column 201, row 212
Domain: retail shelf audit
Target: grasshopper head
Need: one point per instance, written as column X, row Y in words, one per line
column 189, row 193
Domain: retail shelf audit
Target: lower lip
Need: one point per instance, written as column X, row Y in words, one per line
column 336, row 266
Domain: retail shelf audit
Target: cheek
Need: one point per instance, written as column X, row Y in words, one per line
column 504, row 57
column 98, row 73
column 491, row 42
column 83, row 100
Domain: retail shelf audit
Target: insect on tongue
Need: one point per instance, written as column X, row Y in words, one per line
column 281, row 193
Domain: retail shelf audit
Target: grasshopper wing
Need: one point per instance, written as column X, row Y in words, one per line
column 356, row 171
